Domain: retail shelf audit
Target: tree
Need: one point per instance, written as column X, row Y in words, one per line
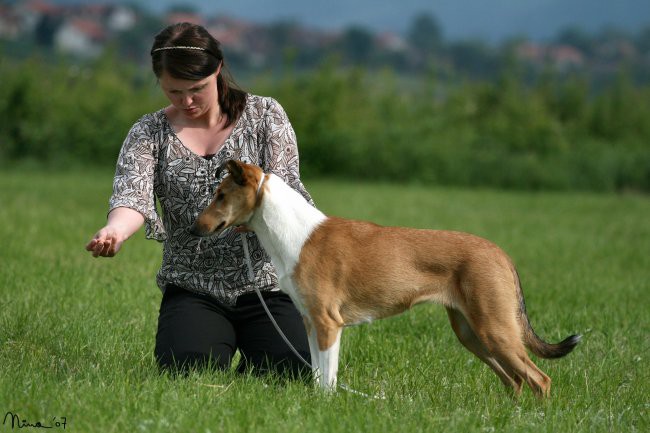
column 135, row 43
column 577, row 38
column 474, row 58
column 643, row 40
column 357, row 45
column 46, row 28
column 425, row 36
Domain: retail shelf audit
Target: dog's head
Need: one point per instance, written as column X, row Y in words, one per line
column 233, row 202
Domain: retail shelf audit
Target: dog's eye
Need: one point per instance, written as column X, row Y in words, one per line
column 219, row 196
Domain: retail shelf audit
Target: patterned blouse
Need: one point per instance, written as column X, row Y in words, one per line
column 154, row 165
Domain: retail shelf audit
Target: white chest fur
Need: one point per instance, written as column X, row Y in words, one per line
column 283, row 223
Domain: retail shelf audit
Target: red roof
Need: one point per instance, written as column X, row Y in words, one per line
column 90, row 28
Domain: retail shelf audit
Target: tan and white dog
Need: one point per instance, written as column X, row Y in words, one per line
column 341, row 272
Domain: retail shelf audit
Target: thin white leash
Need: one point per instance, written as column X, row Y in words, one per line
column 251, row 275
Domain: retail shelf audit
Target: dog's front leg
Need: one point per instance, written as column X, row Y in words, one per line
column 328, row 359
column 313, row 349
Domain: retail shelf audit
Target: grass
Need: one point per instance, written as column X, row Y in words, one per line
column 77, row 333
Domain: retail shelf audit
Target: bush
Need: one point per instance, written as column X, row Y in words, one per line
column 551, row 134
column 66, row 113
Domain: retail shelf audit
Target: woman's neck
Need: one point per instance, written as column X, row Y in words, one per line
column 214, row 118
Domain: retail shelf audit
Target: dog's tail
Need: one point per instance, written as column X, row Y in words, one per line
column 536, row 345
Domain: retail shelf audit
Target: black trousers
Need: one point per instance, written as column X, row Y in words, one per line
column 196, row 331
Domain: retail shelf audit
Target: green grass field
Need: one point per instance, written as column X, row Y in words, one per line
column 77, row 333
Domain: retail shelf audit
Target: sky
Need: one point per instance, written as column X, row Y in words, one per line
column 490, row 20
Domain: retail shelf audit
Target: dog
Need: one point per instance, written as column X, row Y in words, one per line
column 341, row 272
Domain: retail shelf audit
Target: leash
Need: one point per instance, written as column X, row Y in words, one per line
column 277, row 328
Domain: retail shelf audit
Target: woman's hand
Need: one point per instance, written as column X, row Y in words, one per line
column 122, row 223
column 106, row 243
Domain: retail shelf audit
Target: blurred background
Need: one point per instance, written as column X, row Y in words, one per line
column 530, row 94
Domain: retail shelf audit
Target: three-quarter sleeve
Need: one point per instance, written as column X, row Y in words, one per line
column 133, row 185
column 281, row 148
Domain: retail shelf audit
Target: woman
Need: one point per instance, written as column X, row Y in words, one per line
column 209, row 308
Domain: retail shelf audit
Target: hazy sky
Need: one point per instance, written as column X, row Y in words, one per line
column 488, row 19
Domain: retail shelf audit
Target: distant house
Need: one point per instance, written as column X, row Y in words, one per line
column 120, row 18
column 565, row 57
column 230, row 32
column 562, row 57
column 33, row 12
column 531, row 52
column 9, row 23
column 81, row 37
column 392, row 42
column 259, row 42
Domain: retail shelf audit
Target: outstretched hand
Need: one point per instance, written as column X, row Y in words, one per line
column 106, row 243
column 122, row 223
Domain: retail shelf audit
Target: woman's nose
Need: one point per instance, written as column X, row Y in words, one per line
column 186, row 100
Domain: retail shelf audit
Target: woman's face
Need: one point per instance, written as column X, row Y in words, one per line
column 191, row 98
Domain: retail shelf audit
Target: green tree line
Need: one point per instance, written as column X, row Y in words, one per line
column 553, row 133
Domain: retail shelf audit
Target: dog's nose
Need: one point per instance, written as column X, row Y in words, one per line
column 194, row 230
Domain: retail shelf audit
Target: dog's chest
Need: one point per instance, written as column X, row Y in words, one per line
column 288, row 286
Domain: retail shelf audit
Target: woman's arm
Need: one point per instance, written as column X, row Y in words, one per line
column 132, row 203
column 122, row 223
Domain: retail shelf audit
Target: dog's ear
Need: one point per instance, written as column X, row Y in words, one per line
column 236, row 171
column 220, row 169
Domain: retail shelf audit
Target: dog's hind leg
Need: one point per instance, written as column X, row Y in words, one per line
column 502, row 339
column 468, row 338
column 517, row 359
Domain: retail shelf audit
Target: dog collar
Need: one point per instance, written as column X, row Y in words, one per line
column 259, row 186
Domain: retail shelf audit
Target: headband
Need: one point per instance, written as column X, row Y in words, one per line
column 178, row 48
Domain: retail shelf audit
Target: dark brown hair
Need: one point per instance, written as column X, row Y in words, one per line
column 197, row 63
